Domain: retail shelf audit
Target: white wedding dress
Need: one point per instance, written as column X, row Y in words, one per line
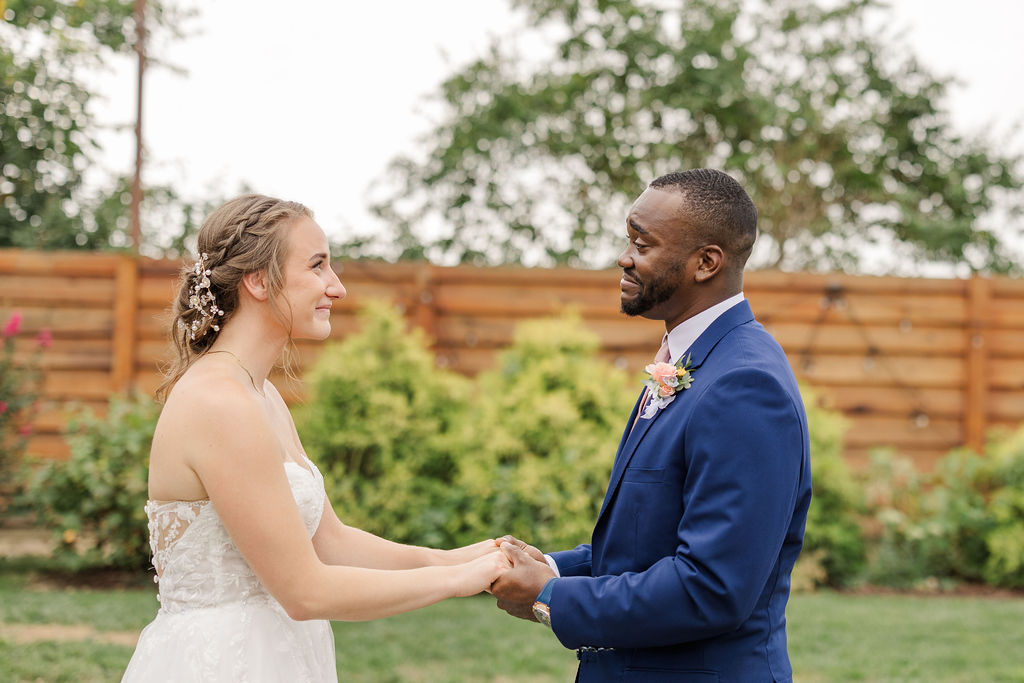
column 217, row 623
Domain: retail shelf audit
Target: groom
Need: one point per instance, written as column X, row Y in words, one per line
column 687, row 574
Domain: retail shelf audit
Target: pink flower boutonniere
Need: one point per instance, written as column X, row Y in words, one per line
column 664, row 381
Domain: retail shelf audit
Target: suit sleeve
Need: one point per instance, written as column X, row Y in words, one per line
column 743, row 448
column 575, row 562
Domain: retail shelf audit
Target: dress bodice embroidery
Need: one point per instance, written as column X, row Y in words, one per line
column 196, row 561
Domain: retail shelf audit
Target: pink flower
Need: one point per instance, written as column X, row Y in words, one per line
column 25, row 430
column 663, row 373
column 665, row 381
column 44, row 338
column 3, row 407
column 13, row 325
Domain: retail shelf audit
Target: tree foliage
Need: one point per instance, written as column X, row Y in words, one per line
column 48, row 134
column 838, row 135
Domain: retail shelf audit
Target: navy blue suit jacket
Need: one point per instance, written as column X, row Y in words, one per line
column 687, row 574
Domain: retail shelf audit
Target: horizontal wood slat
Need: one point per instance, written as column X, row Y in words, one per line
column 918, row 365
column 55, row 292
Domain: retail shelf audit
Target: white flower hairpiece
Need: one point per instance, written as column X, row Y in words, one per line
column 202, row 300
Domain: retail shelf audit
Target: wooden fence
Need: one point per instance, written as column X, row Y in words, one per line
column 919, row 365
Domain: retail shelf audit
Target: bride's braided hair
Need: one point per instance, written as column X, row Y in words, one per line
column 241, row 236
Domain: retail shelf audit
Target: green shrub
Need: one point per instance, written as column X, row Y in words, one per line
column 957, row 509
column 545, row 426
column 95, row 501
column 908, row 544
column 833, row 537
column 964, row 522
column 386, row 427
column 1003, row 476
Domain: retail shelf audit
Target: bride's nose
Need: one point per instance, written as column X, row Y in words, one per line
column 335, row 289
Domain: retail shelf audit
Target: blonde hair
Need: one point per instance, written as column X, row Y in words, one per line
column 242, row 236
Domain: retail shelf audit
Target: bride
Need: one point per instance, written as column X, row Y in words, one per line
column 250, row 558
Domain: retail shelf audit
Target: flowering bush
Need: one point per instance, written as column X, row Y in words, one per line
column 19, row 389
column 94, row 502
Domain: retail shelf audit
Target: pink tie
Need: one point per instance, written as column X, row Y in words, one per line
column 663, row 356
column 663, row 353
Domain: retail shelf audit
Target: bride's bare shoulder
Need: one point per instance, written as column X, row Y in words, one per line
column 208, row 397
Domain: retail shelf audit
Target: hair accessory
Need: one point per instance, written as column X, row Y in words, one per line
column 202, row 301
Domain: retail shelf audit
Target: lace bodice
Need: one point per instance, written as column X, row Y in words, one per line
column 198, row 565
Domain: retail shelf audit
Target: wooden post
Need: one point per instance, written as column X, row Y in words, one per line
column 425, row 314
column 122, row 362
column 976, row 379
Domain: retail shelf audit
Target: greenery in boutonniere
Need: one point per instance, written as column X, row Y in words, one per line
column 664, row 381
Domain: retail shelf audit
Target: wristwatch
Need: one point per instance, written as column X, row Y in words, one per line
column 542, row 605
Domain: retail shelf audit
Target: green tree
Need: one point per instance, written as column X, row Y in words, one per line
column 47, row 132
column 837, row 133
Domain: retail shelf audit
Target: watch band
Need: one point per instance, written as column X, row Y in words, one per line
column 542, row 605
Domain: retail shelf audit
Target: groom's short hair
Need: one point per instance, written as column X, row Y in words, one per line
column 716, row 208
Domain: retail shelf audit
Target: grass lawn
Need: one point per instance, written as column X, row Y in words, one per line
column 833, row 637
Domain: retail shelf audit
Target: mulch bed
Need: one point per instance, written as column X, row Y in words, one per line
column 90, row 579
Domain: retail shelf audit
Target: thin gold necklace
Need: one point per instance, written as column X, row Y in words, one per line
column 244, row 368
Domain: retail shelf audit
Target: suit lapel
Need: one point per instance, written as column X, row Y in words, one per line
column 698, row 353
column 705, row 344
column 627, row 447
column 627, row 433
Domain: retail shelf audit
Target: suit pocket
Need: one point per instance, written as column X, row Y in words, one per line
column 644, row 475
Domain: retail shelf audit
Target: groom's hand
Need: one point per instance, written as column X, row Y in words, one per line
column 530, row 550
column 518, row 588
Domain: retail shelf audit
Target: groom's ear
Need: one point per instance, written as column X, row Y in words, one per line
column 710, row 259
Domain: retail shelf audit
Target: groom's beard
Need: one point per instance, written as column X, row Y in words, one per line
column 657, row 290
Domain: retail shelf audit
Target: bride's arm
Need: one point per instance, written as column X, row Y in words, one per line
column 337, row 543
column 234, row 452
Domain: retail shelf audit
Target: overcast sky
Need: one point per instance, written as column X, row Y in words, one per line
column 309, row 100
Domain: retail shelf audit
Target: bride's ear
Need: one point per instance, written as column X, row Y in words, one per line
column 255, row 283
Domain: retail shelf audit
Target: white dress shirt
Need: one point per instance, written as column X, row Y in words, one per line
column 682, row 336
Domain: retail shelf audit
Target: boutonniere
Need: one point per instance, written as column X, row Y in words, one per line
column 664, row 381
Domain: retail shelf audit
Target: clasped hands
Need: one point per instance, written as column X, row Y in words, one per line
column 517, row 588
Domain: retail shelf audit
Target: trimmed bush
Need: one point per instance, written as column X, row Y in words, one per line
column 546, row 425
column 965, row 522
column 95, row 501
column 955, row 506
column 833, row 538
column 1004, row 537
column 422, row 455
column 908, row 545
column 386, row 427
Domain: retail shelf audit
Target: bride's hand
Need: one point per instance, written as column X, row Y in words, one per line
column 522, row 545
column 470, row 552
column 477, row 575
